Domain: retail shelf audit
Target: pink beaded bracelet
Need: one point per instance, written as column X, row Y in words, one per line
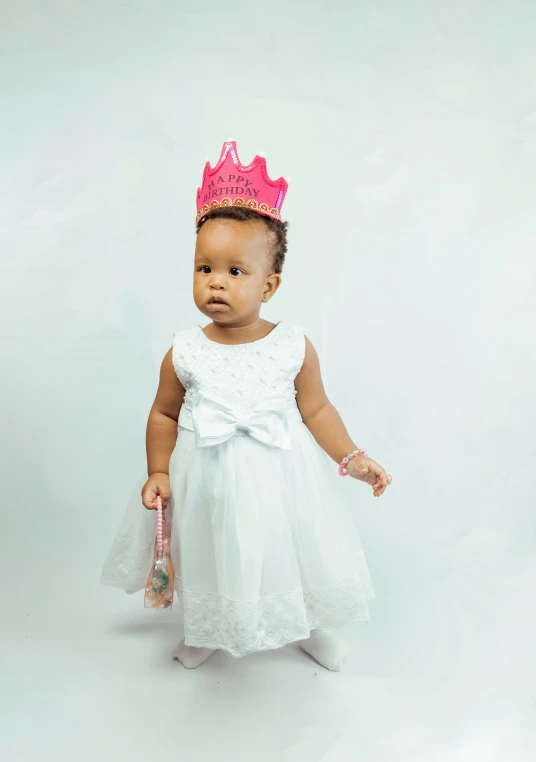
column 343, row 471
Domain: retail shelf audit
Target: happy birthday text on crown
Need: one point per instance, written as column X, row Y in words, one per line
column 217, row 189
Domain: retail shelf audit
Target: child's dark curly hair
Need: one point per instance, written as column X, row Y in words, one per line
column 277, row 241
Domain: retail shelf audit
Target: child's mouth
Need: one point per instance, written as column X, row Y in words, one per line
column 217, row 303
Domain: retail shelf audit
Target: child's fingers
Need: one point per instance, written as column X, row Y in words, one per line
column 148, row 498
column 165, row 495
column 380, row 482
column 382, row 477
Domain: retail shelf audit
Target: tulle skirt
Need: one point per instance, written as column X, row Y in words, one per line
column 264, row 543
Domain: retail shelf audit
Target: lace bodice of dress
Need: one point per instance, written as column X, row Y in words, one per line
column 240, row 373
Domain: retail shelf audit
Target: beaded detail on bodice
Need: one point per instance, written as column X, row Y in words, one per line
column 240, row 373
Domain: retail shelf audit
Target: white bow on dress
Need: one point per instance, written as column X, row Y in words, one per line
column 215, row 421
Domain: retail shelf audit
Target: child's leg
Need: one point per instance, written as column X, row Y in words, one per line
column 326, row 649
column 189, row 656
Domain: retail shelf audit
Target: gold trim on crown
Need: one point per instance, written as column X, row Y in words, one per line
column 251, row 203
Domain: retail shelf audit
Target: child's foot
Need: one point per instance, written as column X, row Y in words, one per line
column 189, row 656
column 326, row 649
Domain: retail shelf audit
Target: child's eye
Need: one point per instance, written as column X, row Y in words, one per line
column 205, row 267
column 235, row 270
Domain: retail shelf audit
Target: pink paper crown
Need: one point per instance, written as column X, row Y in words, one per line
column 230, row 183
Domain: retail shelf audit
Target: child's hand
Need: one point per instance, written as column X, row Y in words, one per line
column 367, row 470
column 156, row 484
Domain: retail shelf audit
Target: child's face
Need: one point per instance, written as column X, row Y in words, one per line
column 232, row 264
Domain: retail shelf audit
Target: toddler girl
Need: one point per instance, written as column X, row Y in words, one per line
column 240, row 442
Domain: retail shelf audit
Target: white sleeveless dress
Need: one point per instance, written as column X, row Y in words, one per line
column 264, row 544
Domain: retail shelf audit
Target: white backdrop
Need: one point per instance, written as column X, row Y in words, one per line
column 407, row 131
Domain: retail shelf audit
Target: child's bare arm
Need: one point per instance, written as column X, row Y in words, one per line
column 162, row 423
column 325, row 424
column 319, row 415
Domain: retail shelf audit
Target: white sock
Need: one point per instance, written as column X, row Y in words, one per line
column 326, row 649
column 189, row 656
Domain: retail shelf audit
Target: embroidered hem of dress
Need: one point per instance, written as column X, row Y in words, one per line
column 241, row 627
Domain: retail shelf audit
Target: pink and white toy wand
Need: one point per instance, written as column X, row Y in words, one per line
column 159, row 587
